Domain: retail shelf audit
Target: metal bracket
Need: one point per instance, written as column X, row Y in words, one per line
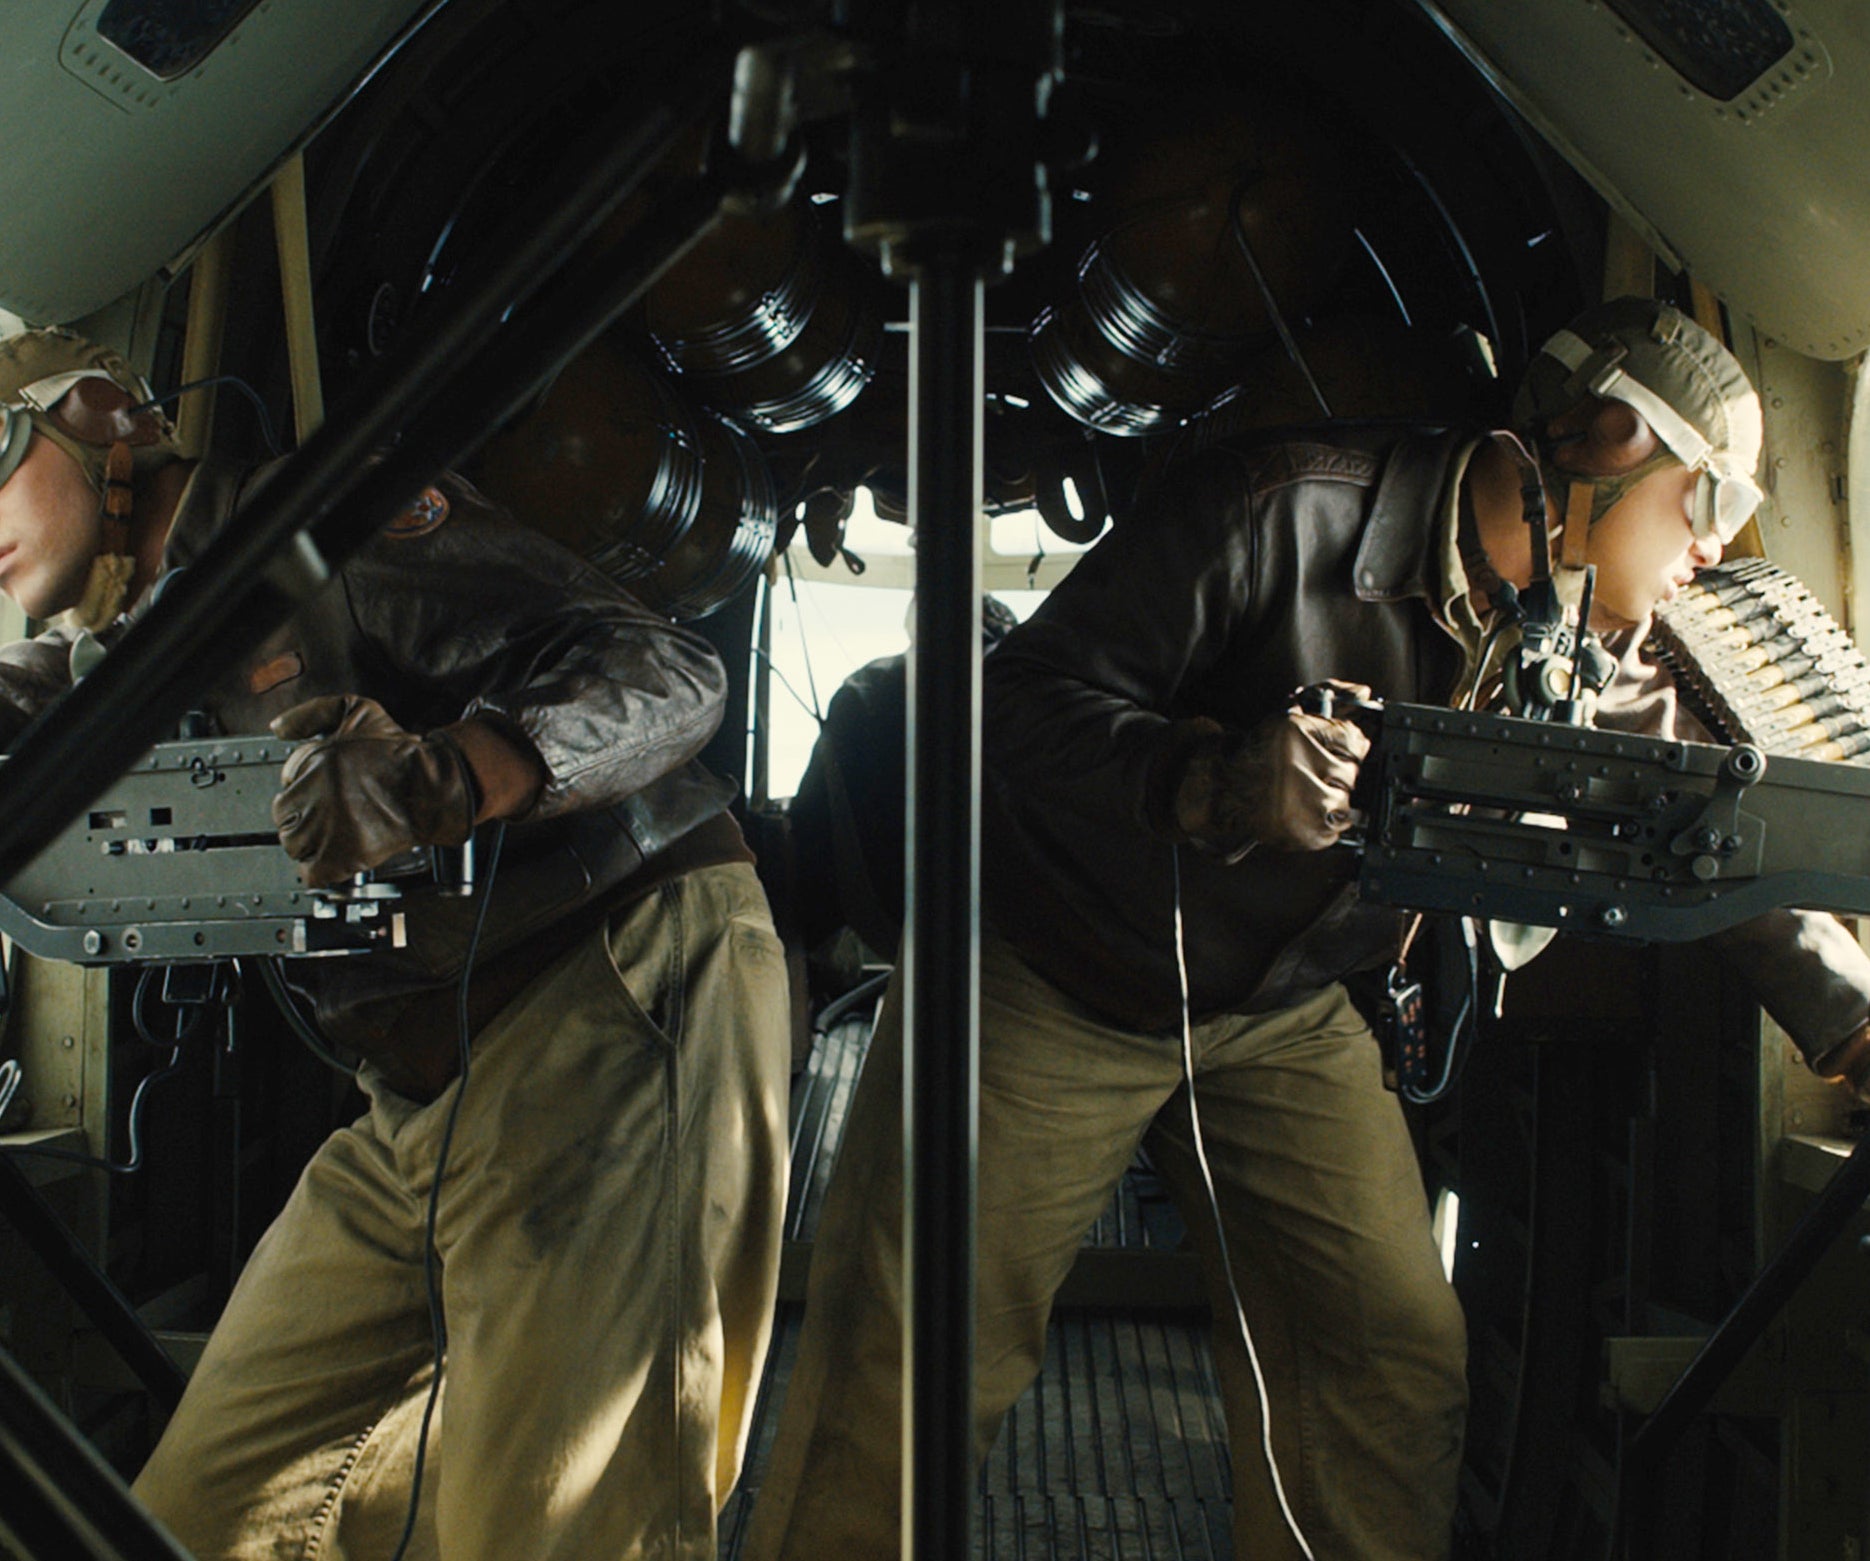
column 1717, row 840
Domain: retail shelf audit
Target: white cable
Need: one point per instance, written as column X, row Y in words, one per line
column 1220, row 1231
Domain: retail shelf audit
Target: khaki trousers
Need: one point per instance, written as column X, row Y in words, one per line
column 609, row 1237
column 1358, row 1331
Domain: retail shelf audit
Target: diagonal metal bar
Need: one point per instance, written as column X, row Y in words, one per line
column 1811, row 1238
column 59, row 1501
column 431, row 401
column 87, row 1284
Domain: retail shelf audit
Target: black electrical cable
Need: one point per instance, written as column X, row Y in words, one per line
column 259, row 406
column 308, row 1033
column 845, row 1002
column 1462, row 1033
column 786, row 683
column 1487, row 647
column 811, row 682
column 432, row 1280
column 139, row 1016
column 138, row 1100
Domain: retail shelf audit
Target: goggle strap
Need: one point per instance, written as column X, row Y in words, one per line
column 1575, row 544
column 119, row 494
column 44, row 394
column 1723, row 499
column 1600, row 374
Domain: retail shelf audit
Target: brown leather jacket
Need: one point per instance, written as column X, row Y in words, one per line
column 1252, row 572
column 474, row 616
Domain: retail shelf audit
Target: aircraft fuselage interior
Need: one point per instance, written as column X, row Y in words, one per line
column 838, row 333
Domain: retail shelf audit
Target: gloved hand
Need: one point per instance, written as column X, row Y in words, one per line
column 364, row 790
column 1285, row 785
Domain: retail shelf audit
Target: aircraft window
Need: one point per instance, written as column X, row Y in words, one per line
column 169, row 38
column 826, row 622
column 1719, row 46
column 1016, row 534
column 819, row 638
column 867, row 533
column 1022, row 534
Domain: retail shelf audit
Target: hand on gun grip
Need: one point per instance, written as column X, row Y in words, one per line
column 363, row 790
column 1286, row 784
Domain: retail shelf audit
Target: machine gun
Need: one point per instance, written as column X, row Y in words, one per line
column 179, row 861
column 1553, row 822
column 1613, row 836
column 1600, row 833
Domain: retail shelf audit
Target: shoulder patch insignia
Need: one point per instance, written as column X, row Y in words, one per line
column 1279, row 465
column 425, row 514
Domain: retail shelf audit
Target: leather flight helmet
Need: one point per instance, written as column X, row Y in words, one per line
column 1679, row 378
column 39, row 369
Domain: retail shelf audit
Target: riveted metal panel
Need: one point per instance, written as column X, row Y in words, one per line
column 1760, row 194
column 128, row 172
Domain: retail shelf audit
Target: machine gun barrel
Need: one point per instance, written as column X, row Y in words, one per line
column 1603, row 833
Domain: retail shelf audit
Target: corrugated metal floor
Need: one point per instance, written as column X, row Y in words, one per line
column 1117, row 1452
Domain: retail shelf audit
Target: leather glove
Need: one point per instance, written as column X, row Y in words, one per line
column 1848, row 1063
column 1285, row 785
column 364, row 790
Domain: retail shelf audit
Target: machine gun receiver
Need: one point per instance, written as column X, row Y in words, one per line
column 180, row 861
column 1596, row 832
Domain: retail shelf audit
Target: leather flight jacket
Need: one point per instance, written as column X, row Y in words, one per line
column 1249, row 573
column 455, row 610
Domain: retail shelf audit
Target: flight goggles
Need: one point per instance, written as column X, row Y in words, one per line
column 16, row 415
column 1724, row 497
column 15, row 435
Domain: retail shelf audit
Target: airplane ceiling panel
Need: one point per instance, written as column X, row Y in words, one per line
column 132, row 125
column 1732, row 132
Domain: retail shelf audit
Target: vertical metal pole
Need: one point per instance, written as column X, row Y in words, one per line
column 201, row 347
column 295, row 288
column 760, row 760
column 941, row 980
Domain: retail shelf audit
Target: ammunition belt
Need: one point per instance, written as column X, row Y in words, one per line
column 1758, row 658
